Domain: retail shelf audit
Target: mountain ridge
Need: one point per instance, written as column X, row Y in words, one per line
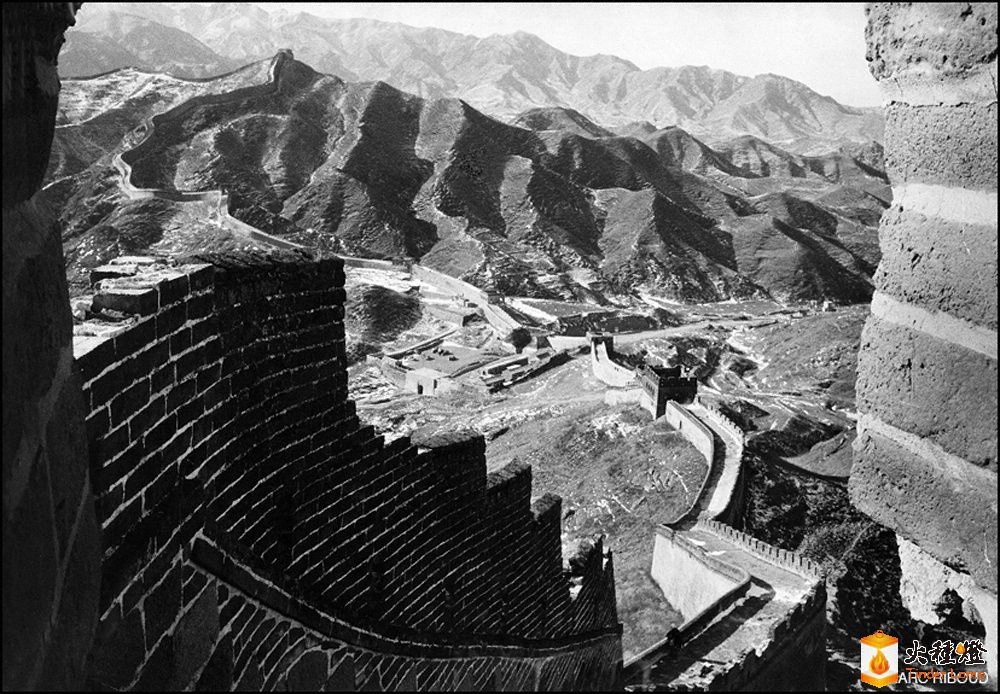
column 501, row 74
column 367, row 169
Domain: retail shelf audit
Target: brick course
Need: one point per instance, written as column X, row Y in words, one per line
column 224, row 408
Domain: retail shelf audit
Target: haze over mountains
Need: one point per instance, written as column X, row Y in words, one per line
column 501, row 75
column 554, row 206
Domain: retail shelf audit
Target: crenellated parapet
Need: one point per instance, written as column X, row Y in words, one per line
column 724, row 421
column 217, row 396
column 793, row 561
column 734, row 637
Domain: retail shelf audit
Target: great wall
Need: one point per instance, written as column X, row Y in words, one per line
column 387, row 540
column 214, row 202
column 234, row 524
column 744, row 601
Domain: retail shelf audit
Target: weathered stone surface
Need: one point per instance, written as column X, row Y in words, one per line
column 116, row 665
column 65, row 666
column 341, row 677
column 925, row 580
column 931, row 388
column 441, row 437
column 986, row 605
column 43, row 445
column 926, row 261
column 29, row 577
column 50, row 538
column 950, row 513
column 135, row 301
column 942, row 145
column 36, row 321
column 310, row 673
column 927, row 363
column 194, row 638
column 951, row 38
column 33, row 35
column 218, row 672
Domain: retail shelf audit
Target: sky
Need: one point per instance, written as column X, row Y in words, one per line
column 819, row 44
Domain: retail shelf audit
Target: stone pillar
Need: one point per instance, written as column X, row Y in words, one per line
column 926, row 451
column 51, row 542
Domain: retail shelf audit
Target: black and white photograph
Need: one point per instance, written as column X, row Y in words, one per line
column 499, row 346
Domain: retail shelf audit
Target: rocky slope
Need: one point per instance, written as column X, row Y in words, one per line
column 121, row 39
column 367, row 169
column 502, row 75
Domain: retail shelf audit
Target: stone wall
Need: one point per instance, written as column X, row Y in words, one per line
column 495, row 315
column 794, row 658
column 699, row 436
column 51, row 542
column 926, row 451
column 370, row 263
column 728, row 498
column 793, row 561
column 793, row 655
column 221, row 410
column 216, row 203
column 692, row 581
column 243, row 624
column 602, row 363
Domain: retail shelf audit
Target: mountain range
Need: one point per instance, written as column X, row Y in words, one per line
column 553, row 205
column 500, row 75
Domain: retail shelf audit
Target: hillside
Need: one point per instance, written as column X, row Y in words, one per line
column 501, row 75
column 366, row 169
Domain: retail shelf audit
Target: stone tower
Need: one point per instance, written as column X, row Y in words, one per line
column 926, row 452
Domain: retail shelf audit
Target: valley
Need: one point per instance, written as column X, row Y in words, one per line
column 342, row 354
column 573, row 228
column 364, row 169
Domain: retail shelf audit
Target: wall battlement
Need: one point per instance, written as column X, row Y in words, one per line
column 223, row 404
column 793, row 561
column 722, row 587
column 707, row 588
column 725, row 422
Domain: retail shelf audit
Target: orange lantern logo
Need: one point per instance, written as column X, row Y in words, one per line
column 879, row 659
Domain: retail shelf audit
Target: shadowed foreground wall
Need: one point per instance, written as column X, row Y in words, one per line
column 239, row 525
column 926, row 451
column 50, row 538
column 250, row 517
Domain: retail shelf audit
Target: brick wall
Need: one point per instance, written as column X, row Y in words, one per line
column 793, row 657
column 223, row 404
column 263, row 636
